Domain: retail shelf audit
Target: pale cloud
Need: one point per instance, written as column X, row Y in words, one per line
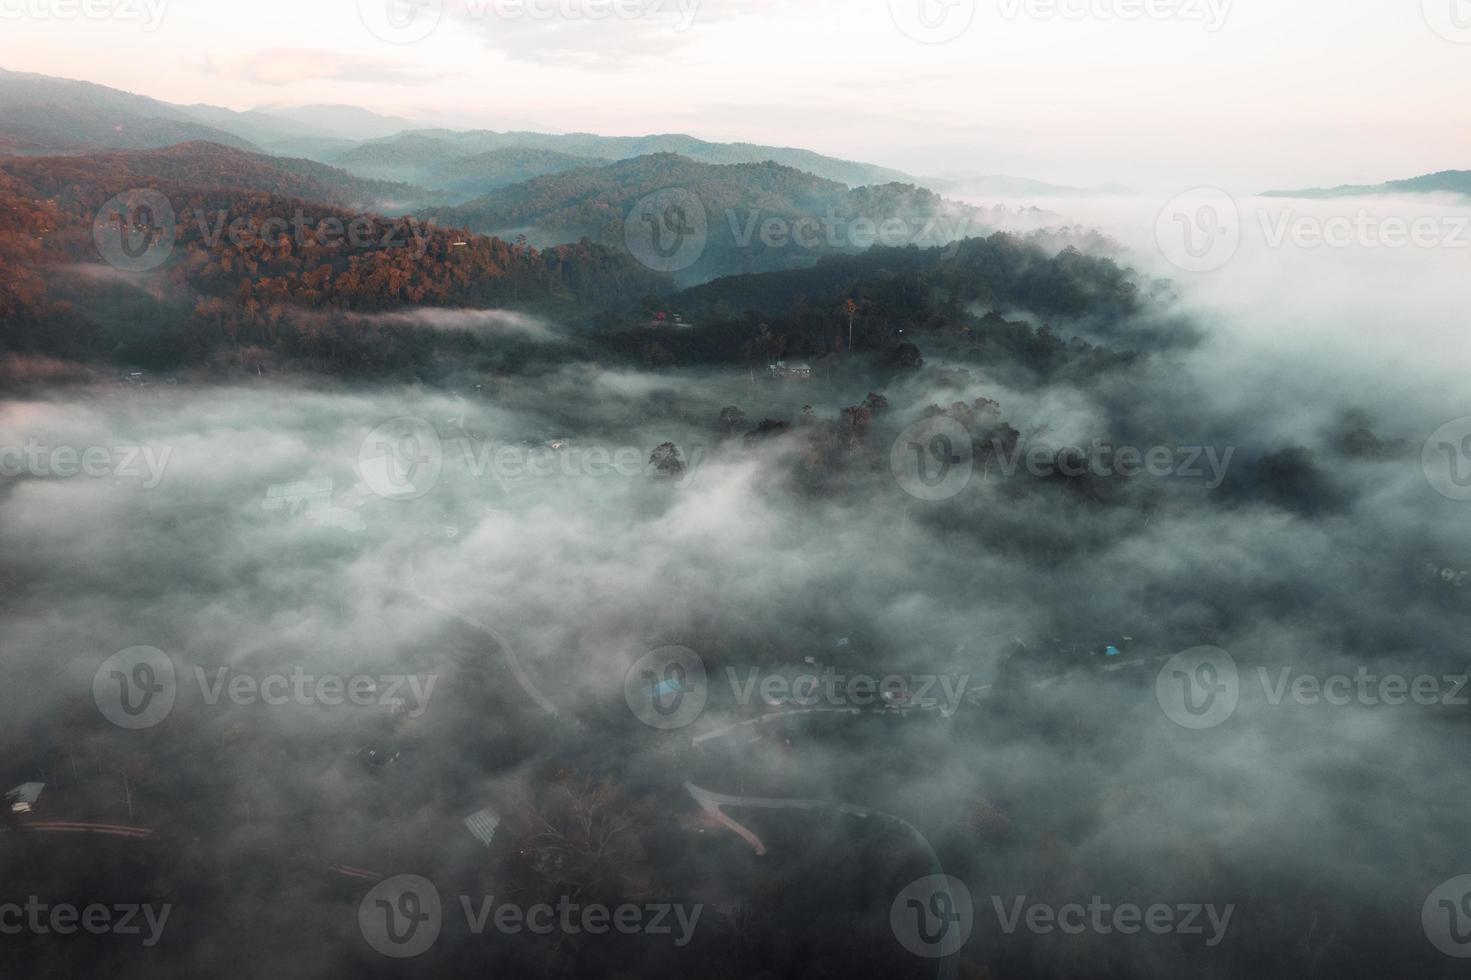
column 485, row 322
column 1074, row 99
column 609, row 35
column 291, row 66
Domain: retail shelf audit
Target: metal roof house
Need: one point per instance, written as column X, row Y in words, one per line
column 24, row 797
column 297, row 498
column 791, row 372
column 483, row 824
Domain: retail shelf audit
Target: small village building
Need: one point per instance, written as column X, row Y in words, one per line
column 796, row 371
column 483, row 824
column 24, row 797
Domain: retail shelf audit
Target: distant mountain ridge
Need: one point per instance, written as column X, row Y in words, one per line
column 341, row 121
column 408, row 151
column 1000, row 185
column 311, row 131
column 43, row 115
column 484, row 172
column 46, row 116
column 1443, row 182
column 737, row 200
column 206, row 166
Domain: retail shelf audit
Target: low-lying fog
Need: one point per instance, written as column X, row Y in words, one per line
column 1342, row 282
column 251, row 530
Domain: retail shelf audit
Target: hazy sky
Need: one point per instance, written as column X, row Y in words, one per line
column 1243, row 93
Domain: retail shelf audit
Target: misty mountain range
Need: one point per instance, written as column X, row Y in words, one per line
column 41, row 115
column 736, row 202
column 1444, row 182
column 319, row 392
column 552, row 189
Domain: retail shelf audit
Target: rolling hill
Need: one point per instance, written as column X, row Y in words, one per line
column 813, row 216
column 41, row 115
column 1444, row 182
column 45, row 116
column 412, row 156
column 206, row 166
column 482, row 173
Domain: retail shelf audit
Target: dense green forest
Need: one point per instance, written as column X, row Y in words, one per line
column 813, row 217
column 269, row 265
column 253, row 268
